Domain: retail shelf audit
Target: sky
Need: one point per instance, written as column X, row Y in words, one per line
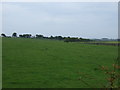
column 75, row 19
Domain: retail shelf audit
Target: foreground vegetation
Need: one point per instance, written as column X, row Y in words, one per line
column 42, row 63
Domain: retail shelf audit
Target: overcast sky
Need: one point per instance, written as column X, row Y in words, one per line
column 88, row 19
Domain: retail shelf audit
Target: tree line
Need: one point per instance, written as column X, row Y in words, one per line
column 39, row 36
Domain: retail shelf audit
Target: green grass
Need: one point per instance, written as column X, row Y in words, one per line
column 112, row 42
column 34, row 63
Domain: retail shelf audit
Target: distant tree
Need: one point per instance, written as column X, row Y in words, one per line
column 84, row 40
column 3, row 35
column 46, row 37
column 73, row 39
column 39, row 36
column 20, row 35
column 14, row 34
column 51, row 37
column 57, row 37
column 25, row 36
column 80, row 38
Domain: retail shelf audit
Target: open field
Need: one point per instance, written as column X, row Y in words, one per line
column 35, row 63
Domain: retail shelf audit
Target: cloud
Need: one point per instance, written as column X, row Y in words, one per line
column 73, row 19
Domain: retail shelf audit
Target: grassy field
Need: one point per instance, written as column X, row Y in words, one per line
column 34, row 63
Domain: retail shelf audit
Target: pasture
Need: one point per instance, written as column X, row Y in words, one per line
column 39, row 63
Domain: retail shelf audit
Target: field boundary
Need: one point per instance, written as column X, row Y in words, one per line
column 111, row 44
